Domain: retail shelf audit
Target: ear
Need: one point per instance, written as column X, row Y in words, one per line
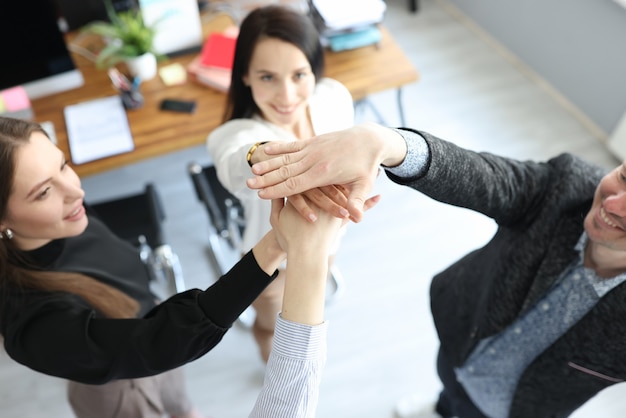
column 246, row 80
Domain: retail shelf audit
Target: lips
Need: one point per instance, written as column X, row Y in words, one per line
column 77, row 213
column 284, row 110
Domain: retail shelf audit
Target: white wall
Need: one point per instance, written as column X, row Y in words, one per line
column 578, row 46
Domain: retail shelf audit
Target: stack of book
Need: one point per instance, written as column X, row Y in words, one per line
column 348, row 24
column 213, row 66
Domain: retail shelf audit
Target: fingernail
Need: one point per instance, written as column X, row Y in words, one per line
column 312, row 217
column 343, row 212
column 252, row 181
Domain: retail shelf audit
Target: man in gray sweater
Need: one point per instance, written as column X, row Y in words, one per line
column 531, row 324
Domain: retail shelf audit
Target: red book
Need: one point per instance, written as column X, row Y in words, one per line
column 218, row 51
column 217, row 78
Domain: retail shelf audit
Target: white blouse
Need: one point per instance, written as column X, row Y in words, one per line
column 331, row 109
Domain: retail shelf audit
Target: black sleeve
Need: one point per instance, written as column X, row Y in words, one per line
column 60, row 335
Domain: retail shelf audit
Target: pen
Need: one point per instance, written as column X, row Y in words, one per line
column 120, row 82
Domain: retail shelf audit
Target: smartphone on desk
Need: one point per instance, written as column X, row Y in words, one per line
column 177, row 105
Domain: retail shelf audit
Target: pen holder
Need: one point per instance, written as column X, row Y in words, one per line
column 132, row 99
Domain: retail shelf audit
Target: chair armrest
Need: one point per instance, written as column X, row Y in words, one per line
column 205, row 195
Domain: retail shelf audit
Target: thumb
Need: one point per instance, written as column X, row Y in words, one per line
column 277, row 206
column 356, row 202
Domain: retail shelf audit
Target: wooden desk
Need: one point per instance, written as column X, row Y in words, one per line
column 364, row 71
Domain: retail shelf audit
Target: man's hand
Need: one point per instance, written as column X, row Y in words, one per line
column 350, row 158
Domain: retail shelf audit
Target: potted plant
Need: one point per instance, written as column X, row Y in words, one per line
column 129, row 40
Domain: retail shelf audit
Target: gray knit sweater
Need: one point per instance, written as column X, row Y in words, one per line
column 539, row 208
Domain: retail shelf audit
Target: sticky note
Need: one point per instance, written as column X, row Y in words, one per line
column 15, row 99
column 3, row 107
column 173, row 74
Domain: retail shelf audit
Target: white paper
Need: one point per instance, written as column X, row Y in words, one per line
column 350, row 13
column 97, row 129
column 178, row 24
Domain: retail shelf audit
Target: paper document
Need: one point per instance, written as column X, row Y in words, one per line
column 346, row 14
column 97, row 129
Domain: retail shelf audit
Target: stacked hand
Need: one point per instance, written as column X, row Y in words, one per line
column 293, row 232
column 344, row 163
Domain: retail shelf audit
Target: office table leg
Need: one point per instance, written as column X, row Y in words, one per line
column 401, row 107
column 366, row 102
column 359, row 104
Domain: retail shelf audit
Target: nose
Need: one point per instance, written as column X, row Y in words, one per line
column 616, row 204
column 72, row 191
column 286, row 92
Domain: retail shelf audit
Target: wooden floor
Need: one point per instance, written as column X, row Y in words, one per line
column 382, row 343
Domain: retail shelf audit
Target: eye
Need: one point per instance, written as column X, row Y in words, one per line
column 43, row 194
column 300, row 75
column 266, row 77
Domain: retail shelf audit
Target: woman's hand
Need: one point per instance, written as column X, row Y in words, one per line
column 295, row 233
column 268, row 253
column 331, row 199
column 307, row 246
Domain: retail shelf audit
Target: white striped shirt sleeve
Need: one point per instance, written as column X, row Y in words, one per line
column 294, row 371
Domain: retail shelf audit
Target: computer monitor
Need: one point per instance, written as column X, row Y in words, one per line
column 78, row 13
column 34, row 54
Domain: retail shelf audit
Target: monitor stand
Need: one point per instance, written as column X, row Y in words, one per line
column 54, row 84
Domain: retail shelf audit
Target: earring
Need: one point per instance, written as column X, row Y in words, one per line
column 7, row 233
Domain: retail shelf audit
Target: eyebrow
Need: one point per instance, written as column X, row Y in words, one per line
column 37, row 187
column 305, row 68
column 41, row 183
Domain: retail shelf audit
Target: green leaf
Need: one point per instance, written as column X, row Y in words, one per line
column 109, row 56
column 126, row 35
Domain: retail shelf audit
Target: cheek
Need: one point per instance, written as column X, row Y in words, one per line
column 609, row 185
column 307, row 89
column 260, row 93
column 37, row 216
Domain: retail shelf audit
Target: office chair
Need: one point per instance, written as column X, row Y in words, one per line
column 225, row 213
column 226, row 217
column 138, row 219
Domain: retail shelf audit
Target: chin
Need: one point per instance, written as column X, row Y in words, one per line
column 594, row 233
column 280, row 119
column 77, row 228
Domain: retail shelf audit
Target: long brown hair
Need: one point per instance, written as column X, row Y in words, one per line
column 107, row 300
column 274, row 21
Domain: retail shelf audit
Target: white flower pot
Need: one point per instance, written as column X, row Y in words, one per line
column 143, row 66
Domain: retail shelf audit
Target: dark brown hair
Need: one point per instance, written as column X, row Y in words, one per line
column 280, row 22
column 107, row 300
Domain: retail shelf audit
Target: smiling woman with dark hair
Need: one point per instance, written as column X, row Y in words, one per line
column 277, row 93
column 75, row 300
